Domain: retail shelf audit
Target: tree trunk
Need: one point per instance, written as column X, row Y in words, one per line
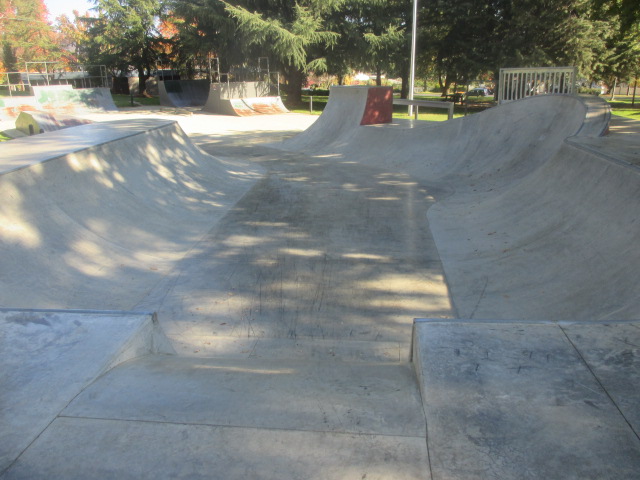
column 142, row 82
column 613, row 90
column 446, row 85
column 378, row 77
column 295, row 79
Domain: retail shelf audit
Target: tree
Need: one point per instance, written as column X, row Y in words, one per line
column 25, row 31
column 620, row 58
column 124, row 36
column 469, row 37
column 293, row 33
column 201, row 30
column 374, row 36
column 73, row 37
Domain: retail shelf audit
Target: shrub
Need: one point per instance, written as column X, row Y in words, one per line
column 589, row 91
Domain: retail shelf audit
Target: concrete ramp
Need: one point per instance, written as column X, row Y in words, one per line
column 266, row 105
column 348, row 108
column 95, row 215
column 183, row 93
column 58, row 100
column 533, row 226
column 289, row 297
column 243, row 99
column 64, row 99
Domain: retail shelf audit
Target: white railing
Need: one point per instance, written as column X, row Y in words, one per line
column 516, row 83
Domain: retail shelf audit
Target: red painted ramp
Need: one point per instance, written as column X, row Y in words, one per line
column 348, row 108
column 379, row 106
column 266, row 105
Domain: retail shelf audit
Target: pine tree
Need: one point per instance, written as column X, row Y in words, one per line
column 292, row 32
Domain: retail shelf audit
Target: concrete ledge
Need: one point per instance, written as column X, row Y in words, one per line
column 530, row 399
column 49, row 356
column 597, row 117
column 28, row 151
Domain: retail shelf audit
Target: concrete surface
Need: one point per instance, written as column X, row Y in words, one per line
column 286, row 281
column 530, row 400
column 313, row 251
column 328, row 396
column 110, row 449
column 528, row 226
column 48, row 357
column 95, row 216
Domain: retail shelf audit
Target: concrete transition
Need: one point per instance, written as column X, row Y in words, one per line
column 243, row 99
column 286, row 288
column 58, row 100
column 348, row 108
column 183, row 93
column 83, row 239
column 511, row 173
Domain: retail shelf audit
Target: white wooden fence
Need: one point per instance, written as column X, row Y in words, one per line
column 516, row 83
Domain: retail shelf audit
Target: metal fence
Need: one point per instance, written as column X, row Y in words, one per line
column 517, row 83
column 52, row 73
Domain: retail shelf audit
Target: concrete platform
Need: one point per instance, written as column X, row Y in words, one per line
column 126, row 450
column 48, row 357
column 506, row 400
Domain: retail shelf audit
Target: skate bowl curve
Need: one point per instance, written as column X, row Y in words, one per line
column 532, row 226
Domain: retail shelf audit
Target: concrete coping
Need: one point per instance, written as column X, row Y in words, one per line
column 28, row 151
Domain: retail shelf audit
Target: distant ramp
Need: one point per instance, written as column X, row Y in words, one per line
column 347, row 109
column 183, row 93
column 266, row 105
column 64, row 99
column 31, row 123
column 58, row 100
column 243, row 99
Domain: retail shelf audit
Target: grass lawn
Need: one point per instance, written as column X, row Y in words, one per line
column 621, row 106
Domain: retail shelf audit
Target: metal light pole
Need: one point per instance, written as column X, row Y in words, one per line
column 412, row 70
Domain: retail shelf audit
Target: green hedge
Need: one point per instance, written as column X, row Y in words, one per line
column 589, row 91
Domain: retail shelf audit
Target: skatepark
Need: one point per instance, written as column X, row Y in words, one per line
column 190, row 295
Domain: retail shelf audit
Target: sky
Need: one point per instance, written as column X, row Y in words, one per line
column 59, row 7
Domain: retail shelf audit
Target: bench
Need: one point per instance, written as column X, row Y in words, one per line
column 455, row 97
column 425, row 103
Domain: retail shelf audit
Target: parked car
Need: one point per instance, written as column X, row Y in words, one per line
column 479, row 92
